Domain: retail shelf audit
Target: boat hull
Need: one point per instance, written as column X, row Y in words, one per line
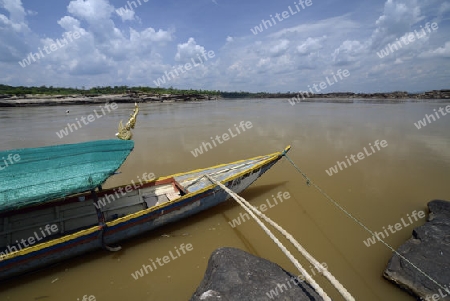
column 128, row 226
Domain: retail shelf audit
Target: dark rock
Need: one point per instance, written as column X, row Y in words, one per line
column 235, row 275
column 428, row 249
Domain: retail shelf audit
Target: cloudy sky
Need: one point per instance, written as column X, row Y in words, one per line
column 115, row 42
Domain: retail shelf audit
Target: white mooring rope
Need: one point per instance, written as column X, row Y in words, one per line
column 250, row 209
column 342, row 290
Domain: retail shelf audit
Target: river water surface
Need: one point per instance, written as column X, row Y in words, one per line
column 380, row 190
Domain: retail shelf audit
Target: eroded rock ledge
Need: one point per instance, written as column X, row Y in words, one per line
column 56, row 100
column 428, row 249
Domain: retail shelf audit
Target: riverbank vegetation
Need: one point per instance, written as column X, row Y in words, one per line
column 24, row 92
column 96, row 91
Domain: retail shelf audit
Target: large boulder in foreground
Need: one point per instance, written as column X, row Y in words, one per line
column 235, row 275
column 428, row 249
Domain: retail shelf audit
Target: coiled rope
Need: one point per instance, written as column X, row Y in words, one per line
column 309, row 182
column 252, row 210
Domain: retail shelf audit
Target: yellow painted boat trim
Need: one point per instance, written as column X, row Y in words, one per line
column 270, row 158
column 50, row 243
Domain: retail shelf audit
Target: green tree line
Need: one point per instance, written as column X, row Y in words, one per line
column 22, row 90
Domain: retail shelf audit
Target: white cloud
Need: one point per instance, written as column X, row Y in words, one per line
column 151, row 35
column 90, row 10
column 348, row 52
column 125, row 14
column 69, row 23
column 310, row 45
column 188, row 50
column 279, row 48
column 291, row 56
column 444, row 8
column 103, row 54
column 15, row 9
column 438, row 52
column 398, row 17
column 16, row 20
column 14, row 31
column 31, row 13
column 263, row 62
column 329, row 27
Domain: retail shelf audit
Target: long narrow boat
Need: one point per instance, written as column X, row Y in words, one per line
column 52, row 206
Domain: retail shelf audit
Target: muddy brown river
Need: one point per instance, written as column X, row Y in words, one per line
column 384, row 170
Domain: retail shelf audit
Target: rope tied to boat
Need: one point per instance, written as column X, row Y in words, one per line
column 309, row 182
column 252, row 210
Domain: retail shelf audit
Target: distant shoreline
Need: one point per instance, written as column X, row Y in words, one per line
column 140, row 97
column 77, row 99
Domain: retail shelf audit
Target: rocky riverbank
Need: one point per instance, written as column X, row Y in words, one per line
column 348, row 96
column 8, row 100
column 56, row 100
column 429, row 250
column 435, row 94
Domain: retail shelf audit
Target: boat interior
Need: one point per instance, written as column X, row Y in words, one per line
column 81, row 211
column 86, row 210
